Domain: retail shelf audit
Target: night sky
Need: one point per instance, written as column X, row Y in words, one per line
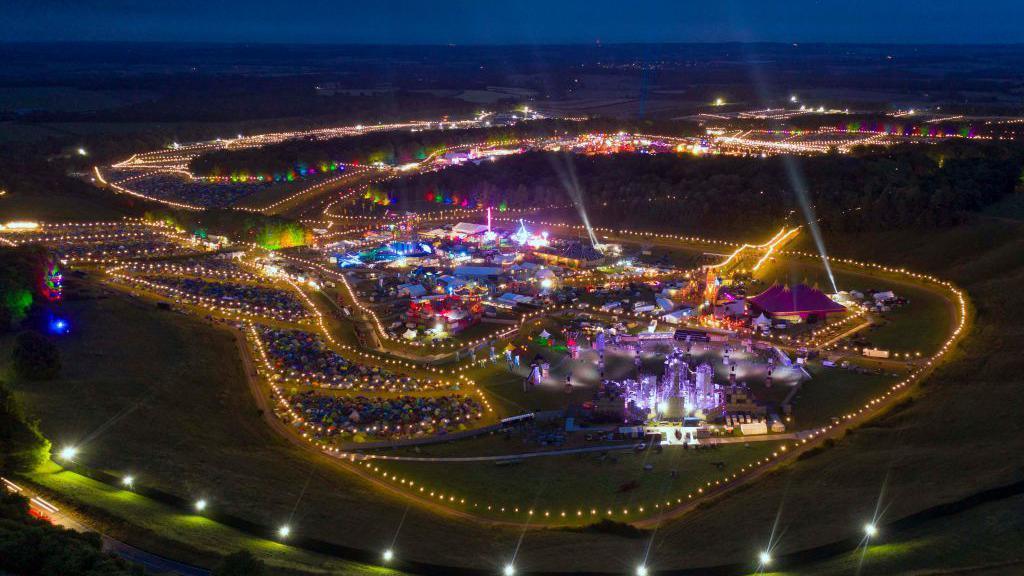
column 514, row 22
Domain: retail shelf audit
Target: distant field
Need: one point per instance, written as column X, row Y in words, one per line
column 57, row 206
column 65, row 99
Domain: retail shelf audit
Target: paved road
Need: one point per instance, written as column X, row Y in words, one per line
column 151, row 562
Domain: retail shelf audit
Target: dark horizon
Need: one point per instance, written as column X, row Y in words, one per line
column 529, row 22
column 815, row 44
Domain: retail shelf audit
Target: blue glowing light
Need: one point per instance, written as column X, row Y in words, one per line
column 59, row 326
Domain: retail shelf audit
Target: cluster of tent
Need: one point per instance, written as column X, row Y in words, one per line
column 304, row 354
column 359, row 417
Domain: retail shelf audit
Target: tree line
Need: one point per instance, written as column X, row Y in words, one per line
column 400, row 146
column 866, row 190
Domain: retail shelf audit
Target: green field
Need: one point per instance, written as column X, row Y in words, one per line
column 987, row 540
column 833, row 392
column 921, row 326
column 57, row 206
column 188, row 537
column 578, row 484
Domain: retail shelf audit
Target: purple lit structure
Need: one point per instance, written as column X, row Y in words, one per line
column 681, row 391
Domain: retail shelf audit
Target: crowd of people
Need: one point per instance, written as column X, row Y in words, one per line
column 339, row 417
column 303, row 355
column 247, row 297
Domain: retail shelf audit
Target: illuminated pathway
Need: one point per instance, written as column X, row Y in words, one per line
column 325, row 208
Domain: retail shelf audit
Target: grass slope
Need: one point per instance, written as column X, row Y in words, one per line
column 160, row 399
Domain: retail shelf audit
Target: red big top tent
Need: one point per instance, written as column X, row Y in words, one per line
column 800, row 300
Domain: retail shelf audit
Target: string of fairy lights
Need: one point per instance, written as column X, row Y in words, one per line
column 223, row 306
column 443, row 497
column 768, row 248
column 250, row 314
column 370, row 465
column 152, row 240
column 310, row 431
column 494, row 338
column 373, row 464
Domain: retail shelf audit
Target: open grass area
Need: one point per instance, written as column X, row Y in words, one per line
column 583, row 486
column 508, row 395
column 58, row 206
column 920, row 326
column 63, row 98
column 833, row 392
column 193, row 538
column 499, row 444
column 986, row 540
